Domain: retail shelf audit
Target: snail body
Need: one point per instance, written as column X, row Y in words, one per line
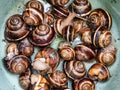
column 74, row 69
column 16, row 29
column 43, row 35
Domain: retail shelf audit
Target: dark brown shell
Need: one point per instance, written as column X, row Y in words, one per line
column 98, row 72
column 18, row 64
column 58, row 79
column 43, row 35
column 74, row 69
column 16, row 28
column 100, row 17
column 84, row 52
column 81, row 7
column 84, row 84
column 33, row 16
column 25, row 48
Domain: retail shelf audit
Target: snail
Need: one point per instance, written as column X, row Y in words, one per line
column 84, row 52
column 107, row 55
column 24, row 79
column 48, row 18
column 101, row 38
column 39, row 82
column 46, row 60
column 100, row 18
column 33, row 13
column 60, row 12
column 18, row 64
column 25, row 48
column 74, row 69
column 81, row 7
column 16, row 29
column 35, row 4
column 84, row 84
column 98, row 72
column 66, row 51
column 58, row 79
column 57, row 2
column 42, row 35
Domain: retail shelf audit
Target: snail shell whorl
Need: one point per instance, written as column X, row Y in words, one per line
column 43, row 35
column 16, row 28
column 74, row 69
column 84, row 84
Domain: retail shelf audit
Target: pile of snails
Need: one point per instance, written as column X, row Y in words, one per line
column 37, row 28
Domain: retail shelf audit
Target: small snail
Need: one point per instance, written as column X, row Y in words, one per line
column 16, row 28
column 100, row 17
column 106, row 55
column 43, row 35
column 35, row 4
column 84, row 84
column 18, row 64
column 84, row 52
column 81, row 7
column 57, row 2
column 66, row 51
column 74, row 69
column 60, row 12
column 101, row 38
column 98, row 72
column 24, row 79
column 46, row 60
column 25, row 48
column 39, row 82
column 58, row 79
column 48, row 18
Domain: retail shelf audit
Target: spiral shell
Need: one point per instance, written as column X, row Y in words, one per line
column 58, row 79
column 74, row 69
column 84, row 84
column 100, row 17
column 81, row 7
column 16, row 28
column 84, row 52
column 18, row 64
column 43, row 35
column 25, row 48
column 35, row 4
column 98, row 72
column 57, row 2
column 48, row 18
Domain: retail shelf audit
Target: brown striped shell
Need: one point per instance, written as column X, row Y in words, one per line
column 84, row 52
column 74, row 69
column 16, row 29
column 98, row 72
column 84, row 84
column 43, row 35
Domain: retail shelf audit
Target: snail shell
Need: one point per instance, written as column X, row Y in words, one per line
column 102, row 38
column 84, row 52
column 74, row 69
column 57, row 2
column 25, row 48
column 48, row 18
column 16, row 28
column 107, row 55
column 100, row 17
column 46, row 60
column 24, row 79
column 60, row 12
column 39, row 82
column 43, row 35
column 33, row 16
column 58, row 79
column 18, row 64
column 98, row 72
column 35, row 4
column 84, row 84
column 81, row 7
